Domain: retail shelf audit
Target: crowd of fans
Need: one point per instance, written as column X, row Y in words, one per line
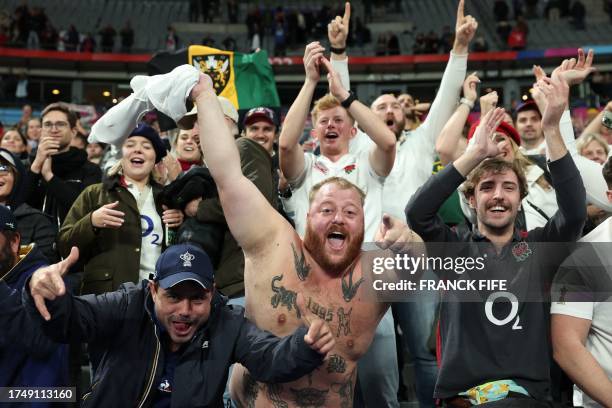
column 125, row 193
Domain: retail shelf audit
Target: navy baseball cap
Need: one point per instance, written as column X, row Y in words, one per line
column 257, row 114
column 528, row 105
column 151, row 135
column 8, row 222
column 182, row 262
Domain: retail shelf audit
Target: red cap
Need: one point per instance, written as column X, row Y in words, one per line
column 503, row 127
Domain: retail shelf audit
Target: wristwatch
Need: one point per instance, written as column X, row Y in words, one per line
column 348, row 101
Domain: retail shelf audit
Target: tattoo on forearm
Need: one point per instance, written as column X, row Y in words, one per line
column 349, row 289
column 325, row 313
column 301, row 267
column 283, row 297
column 274, row 391
column 345, row 390
column 336, row 364
column 344, row 322
column 250, row 389
column 309, row 397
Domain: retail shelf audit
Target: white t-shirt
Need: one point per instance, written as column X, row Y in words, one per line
column 540, row 149
column 354, row 168
column 599, row 339
column 152, row 230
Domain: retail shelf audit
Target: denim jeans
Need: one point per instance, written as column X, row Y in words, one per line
column 377, row 370
column 416, row 320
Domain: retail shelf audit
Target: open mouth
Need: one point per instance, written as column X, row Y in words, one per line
column 138, row 162
column 181, row 328
column 188, row 148
column 331, row 135
column 336, row 239
column 498, row 209
column 390, row 122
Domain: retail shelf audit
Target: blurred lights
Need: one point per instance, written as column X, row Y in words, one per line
column 525, row 97
column 114, row 100
column 55, row 92
column 106, row 93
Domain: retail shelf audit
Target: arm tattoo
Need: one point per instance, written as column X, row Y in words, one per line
column 301, row 267
column 336, row 364
column 344, row 321
column 345, row 390
column 250, row 389
column 274, row 391
column 349, row 289
column 309, row 397
column 283, row 297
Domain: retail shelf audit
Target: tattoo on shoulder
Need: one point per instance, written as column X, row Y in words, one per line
column 283, row 297
column 345, row 390
column 274, row 394
column 301, row 267
column 336, row 364
column 250, row 389
column 344, row 322
column 349, row 289
column 309, row 397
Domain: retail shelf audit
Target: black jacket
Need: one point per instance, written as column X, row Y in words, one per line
column 27, row 356
column 33, row 225
column 72, row 173
column 120, row 326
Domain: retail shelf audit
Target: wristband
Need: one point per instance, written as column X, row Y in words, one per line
column 467, row 103
column 348, row 101
column 337, row 50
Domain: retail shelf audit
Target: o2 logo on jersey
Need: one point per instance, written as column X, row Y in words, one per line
column 513, row 311
column 147, row 226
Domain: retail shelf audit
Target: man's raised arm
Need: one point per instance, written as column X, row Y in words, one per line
column 243, row 204
column 290, row 150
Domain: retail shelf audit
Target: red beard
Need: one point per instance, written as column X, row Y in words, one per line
column 315, row 244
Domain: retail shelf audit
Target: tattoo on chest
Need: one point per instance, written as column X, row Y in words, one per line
column 274, row 395
column 344, row 322
column 345, row 390
column 325, row 313
column 283, row 297
column 336, row 364
column 309, row 397
column 299, row 261
column 250, row 389
column 349, row 289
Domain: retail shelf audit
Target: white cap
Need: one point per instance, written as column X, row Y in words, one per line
column 227, row 107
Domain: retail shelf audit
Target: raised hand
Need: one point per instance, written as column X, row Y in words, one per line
column 47, row 283
column 575, row 71
column 469, row 87
column 395, row 235
column 204, row 84
column 334, row 81
column 484, row 145
column 556, row 91
column 337, row 29
column 107, row 216
column 312, row 61
column 465, row 28
column 536, row 94
column 488, row 102
column 319, row 336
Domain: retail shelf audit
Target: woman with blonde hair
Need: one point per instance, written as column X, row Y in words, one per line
column 119, row 225
column 593, row 147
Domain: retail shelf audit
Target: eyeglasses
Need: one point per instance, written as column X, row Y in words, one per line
column 57, row 125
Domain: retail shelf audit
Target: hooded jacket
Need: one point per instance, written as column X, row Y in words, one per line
column 27, row 356
column 121, row 327
column 72, row 173
column 33, row 225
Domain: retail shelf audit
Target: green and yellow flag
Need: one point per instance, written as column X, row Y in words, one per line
column 246, row 80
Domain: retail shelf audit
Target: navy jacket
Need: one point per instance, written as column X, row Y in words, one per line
column 120, row 326
column 27, row 356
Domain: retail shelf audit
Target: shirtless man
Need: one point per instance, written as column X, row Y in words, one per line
column 325, row 268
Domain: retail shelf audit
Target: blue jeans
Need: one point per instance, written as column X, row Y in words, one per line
column 227, row 401
column 416, row 320
column 377, row 370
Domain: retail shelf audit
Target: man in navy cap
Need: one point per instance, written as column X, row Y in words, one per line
column 170, row 340
column 528, row 123
column 27, row 358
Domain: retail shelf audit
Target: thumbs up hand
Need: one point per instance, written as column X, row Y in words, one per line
column 47, row 283
column 319, row 336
